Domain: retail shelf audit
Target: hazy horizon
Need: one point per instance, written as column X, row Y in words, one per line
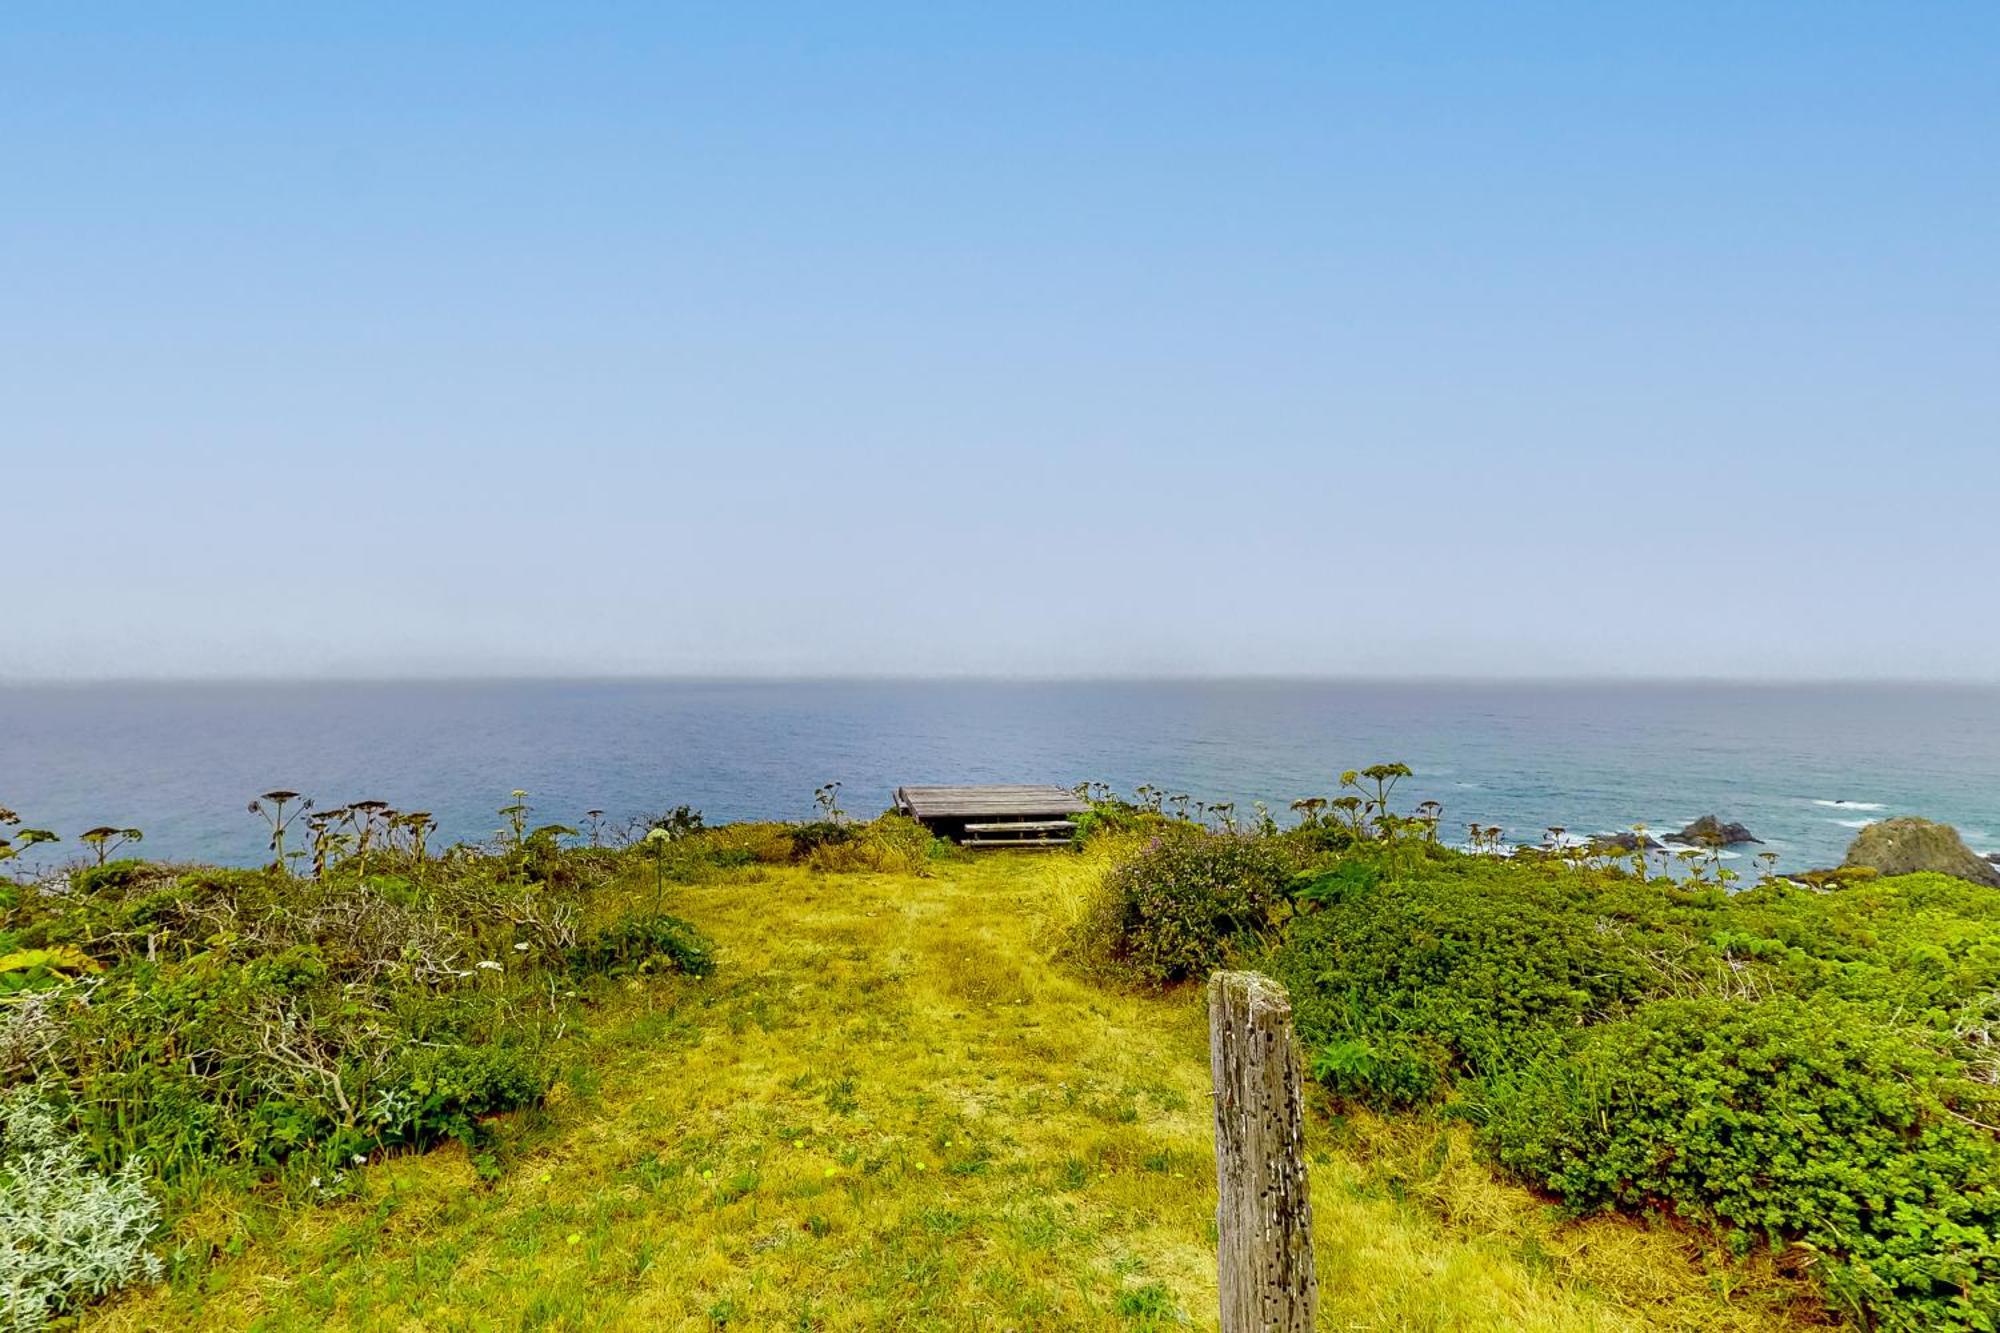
column 179, row 760
column 990, row 678
column 905, row 342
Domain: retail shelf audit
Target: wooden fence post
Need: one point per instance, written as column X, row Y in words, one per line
column 1263, row 1213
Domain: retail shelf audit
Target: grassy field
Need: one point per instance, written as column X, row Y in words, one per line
column 888, row 1109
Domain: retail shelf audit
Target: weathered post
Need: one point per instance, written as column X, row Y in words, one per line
column 1263, row 1213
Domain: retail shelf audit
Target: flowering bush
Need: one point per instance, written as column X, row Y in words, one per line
column 1185, row 902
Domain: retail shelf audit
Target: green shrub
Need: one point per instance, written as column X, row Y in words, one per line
column 888, row 844
column 1796, row 1067
column 1786, row 1118
column 1090, row 825
column 1402, row 984
column 903, row 846
column 646, row 944
column 1110, row 818
column 811, row 837
column 1388, row 1068
column 1925, row 944
column 1322, row 836
column 1185, row 903
column 441, row 1091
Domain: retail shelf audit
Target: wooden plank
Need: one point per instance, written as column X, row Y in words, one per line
column 1025, row 800
column 996, row 843
column 1024, row 826
column 1031, row 799
column 1002, row 790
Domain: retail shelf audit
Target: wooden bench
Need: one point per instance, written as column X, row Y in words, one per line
column 995, row 816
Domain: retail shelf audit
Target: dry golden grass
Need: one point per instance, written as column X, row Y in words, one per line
column 888, row 1110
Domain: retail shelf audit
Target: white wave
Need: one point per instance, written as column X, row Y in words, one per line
column 1854, row 823
column 1852, row 805
column 1669, row 845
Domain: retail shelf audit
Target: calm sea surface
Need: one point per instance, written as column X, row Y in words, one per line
column 181, row 761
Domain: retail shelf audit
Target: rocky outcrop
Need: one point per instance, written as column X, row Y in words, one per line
column 1623, row 842
column 1710, row 831
column 1908, row 845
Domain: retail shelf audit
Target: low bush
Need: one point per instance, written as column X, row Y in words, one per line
column 1785, row 1119
column 1401, row 984
column 67, row 1232
column 1322, row 836
column 1185, row 903
column 1114, row 818
column 889, row 844
column 1927, row 944
column 648, row 944
column 820, row 834
column 1805, row 1069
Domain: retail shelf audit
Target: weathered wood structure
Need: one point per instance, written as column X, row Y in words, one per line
column 995, row 816
column 1263, row 1209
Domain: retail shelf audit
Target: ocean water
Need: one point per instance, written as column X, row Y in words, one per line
column 1803, row 766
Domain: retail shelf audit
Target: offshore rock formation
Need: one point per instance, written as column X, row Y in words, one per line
column 1710, row 831
column 1908, row 845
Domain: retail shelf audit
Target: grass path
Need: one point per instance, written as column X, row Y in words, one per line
column 886, row 1111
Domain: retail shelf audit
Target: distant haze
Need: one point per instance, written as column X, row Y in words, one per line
column 1037, row 340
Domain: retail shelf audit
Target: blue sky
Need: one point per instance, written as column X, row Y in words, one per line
column 1521, row 340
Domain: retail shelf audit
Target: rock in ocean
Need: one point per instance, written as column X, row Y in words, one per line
column 1908, row 845
column 1622, row 842
column 1710, row 831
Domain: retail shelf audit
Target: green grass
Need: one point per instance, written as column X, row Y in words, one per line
column 888, row 1109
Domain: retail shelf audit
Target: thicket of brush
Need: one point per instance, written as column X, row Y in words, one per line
column 1808, row 1068
column 170, row 1028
